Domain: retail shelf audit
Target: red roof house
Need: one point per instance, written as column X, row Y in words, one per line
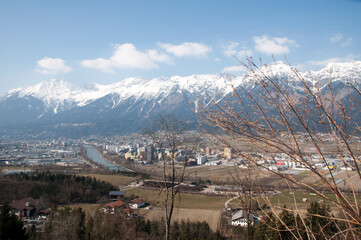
column 114, row 206
column 137, row 203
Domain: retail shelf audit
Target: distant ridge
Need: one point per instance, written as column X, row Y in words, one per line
column 56, row 108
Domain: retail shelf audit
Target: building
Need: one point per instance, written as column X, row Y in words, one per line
column 25, row 207
column 201, row 159
column 224, row 190
column 136, row 203
column 240, row 218
column 114, row 206
column 149, row 154
column 208, row 151
column 227, row 153
column 191, row 162
column 116, row 195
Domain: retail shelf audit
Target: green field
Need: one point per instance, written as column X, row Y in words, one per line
column 288, row 199
column 190, row 201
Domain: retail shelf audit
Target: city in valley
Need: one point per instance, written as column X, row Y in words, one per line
column 216, row 179
column 180, row 120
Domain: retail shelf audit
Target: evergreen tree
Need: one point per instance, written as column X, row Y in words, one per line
column 287, row 228
column 89, row 228
column 319, row 221
column 265, row 229
column 11, row 227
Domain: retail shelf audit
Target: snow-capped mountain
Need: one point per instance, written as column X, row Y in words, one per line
column 125, row 106
column 58, row 93
column 333, row 72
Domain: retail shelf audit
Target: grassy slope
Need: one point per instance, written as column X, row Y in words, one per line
column 190, row 201
column 113, row 179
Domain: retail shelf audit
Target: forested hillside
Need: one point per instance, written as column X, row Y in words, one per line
column 54, row 187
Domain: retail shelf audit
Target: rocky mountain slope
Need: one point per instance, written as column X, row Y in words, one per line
column 56, row 108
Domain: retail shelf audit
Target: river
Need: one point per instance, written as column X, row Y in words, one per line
column 95, row 156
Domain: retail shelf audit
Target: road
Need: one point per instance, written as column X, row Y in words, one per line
column 228, row 201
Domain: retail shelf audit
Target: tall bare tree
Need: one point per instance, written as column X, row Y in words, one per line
column 168, row 132
column 273, row 117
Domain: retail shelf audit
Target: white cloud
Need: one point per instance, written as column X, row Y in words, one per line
column 275, row 45
column 338, row 37
column 237, row 68
column 52, row 66
column 230, row 51
column 159, row 57
column 187, row 49
column 348, row 58
column 245, row 53
column 126, row 56
column 347, row 43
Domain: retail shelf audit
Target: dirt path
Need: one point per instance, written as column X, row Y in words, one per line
column 228, row 201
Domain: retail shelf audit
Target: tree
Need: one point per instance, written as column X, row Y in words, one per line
column 171, row 133
column 66, row 223
column 287, row 225
column 320, row 221
column 11, row 226
column 272, row 116
column 266, row 229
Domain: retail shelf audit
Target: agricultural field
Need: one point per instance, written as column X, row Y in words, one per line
column 289, row 198
column 189, row 201
column 5, row 169
column 212, row 217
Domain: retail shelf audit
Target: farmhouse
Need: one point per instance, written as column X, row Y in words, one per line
column 113, row 207
column 137, row 203
column 116, row 195
column 25, row 207
column 240, row 218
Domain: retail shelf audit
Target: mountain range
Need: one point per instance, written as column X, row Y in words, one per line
column 56, row 108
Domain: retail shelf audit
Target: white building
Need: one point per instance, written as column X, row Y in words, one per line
column 201, row 160
column 240, row 219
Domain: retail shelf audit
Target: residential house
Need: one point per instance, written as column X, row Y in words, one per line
column 128, row 212
column 240, row 218
column 25, row 207
column 137, row 203
column 113, row 207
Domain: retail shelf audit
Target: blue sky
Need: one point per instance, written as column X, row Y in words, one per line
column 107, row 41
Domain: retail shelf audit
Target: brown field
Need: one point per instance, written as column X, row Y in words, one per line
column 110, row 178
column 212, row 217
column 14, row 168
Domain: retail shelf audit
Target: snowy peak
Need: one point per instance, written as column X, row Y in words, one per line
column 58, row 93
column 339, row 71
column 52, row 91
column 59, row 108
column 344, row 72
column 277, row 69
